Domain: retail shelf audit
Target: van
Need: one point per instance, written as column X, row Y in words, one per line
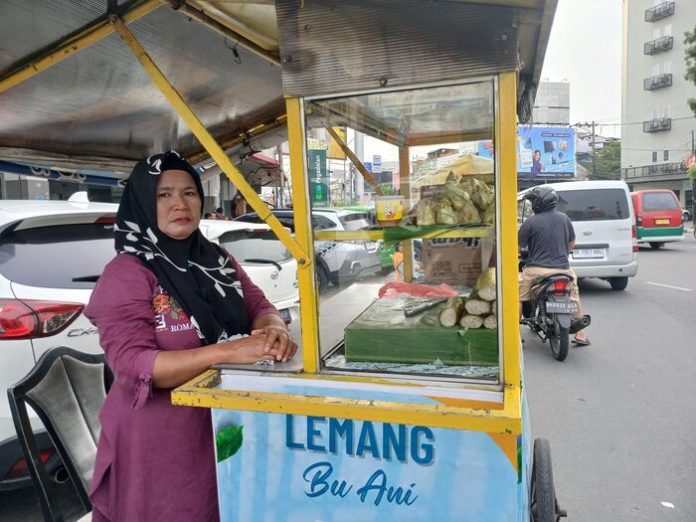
column 605, row 233
column 658, row 217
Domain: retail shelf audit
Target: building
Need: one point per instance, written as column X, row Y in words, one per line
column 552, row 104
column 658, row 126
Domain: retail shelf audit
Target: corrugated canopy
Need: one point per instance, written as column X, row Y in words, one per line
column 97, row 109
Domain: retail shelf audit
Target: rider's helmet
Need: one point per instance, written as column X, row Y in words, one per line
column 543, row 198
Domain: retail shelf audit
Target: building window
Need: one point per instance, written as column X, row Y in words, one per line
column 654, row 156
column 665, row 155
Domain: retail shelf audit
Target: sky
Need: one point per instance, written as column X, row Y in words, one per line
column 585, row 49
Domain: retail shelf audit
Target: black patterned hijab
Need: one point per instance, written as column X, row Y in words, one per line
column 197, row 273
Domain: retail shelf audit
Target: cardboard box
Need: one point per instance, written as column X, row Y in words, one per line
column 455, row 261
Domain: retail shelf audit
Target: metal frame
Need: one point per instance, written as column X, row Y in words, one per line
column 505, row 418
column 18, row 399
column 197, row 392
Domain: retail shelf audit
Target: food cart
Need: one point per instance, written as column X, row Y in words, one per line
column 390, row 412
column 397, row 417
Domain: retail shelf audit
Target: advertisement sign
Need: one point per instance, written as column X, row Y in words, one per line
column 376, row 163
column 542, row 152
column 299, row 468
column 318, row 177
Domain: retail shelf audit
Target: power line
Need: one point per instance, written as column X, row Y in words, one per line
column 589, row 124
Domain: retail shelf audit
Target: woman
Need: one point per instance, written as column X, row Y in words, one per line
column 537, row 165
column 168, row 306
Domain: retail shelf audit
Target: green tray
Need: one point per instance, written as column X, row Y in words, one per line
column 381, row 333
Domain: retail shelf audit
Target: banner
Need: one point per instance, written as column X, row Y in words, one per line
column 318, row 176
column 58, row 175
column 336, row 152
column 542, row 152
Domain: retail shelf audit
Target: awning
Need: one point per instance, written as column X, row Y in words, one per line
column 92, row 105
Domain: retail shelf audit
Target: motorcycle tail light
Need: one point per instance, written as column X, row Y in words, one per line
column 29, row 319
column 560, row 285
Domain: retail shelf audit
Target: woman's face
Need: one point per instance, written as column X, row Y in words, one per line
column 537, row 155
column 178, row 204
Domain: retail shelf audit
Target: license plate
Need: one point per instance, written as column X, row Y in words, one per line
column 561, row 307
column 588, row 253
column 662, row 221
column 285, row 314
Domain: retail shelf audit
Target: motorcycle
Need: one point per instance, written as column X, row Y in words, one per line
column 549, row 312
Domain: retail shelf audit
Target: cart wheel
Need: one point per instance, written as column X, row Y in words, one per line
column 543, row 496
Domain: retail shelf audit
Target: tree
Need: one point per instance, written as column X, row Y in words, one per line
column 608, row 162
column 690, row 58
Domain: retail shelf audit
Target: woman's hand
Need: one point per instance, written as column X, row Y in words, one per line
column 278, row 340
column 248, row 350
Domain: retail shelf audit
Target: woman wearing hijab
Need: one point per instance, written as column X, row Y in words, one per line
column 168, row 306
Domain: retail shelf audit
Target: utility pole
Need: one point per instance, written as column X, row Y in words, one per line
column 693, row 181
column 592, row 145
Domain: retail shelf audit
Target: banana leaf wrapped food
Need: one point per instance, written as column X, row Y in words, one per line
column 425, row 213
column 485, row 287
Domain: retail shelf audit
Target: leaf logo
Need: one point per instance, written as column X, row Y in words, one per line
column 228, row 440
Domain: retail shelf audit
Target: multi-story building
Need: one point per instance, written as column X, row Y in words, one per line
column 552, row 104
column 657, row 124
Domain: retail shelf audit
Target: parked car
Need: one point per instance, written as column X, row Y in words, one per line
column 264, row 258
column 605, row 232
column 51, row 255
column 658, row 217
column 337, row 262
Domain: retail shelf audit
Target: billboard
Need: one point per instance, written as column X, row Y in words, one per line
column 542, row 152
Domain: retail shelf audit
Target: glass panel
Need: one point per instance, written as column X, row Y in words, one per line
column 62, row 256
column 414, row 225
column 593, row 205
column 659, row 201
column 254, row 246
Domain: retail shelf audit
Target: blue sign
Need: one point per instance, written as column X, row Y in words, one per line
column 542, row 152
column 299, row 468
column 58, row 175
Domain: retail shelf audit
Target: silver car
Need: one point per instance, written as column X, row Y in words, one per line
column 338, row 262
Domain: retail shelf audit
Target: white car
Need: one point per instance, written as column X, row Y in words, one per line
column 605, row 234
column 51, row 255
column 264, row 258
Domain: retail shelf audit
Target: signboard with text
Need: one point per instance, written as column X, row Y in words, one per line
column 318, row 176
column 542, row 152
column 300, row 468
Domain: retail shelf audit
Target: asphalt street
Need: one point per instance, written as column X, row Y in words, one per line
column 620, row 413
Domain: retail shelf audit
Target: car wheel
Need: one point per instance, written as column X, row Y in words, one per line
column 656, row 246
column 618, row 283
column 322, row 278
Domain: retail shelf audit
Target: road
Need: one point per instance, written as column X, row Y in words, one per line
column 620, row 413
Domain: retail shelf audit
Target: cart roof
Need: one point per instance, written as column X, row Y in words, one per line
column 97, row 109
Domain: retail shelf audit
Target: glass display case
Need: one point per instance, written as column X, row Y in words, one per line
column 426, row 196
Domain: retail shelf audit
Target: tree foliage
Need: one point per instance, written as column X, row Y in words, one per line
column 608, row 162
column 690, row 57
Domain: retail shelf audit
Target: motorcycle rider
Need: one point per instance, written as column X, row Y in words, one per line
column 549, row 237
